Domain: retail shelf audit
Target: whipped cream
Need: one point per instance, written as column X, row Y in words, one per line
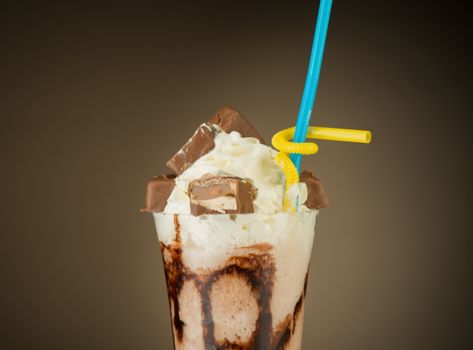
column 244, row 157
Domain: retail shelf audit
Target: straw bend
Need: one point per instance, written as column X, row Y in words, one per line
column 281, row 141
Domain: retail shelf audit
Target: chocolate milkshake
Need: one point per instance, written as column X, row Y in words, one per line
column 235, row 261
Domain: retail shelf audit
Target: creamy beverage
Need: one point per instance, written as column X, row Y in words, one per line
column 243, row 285
column 235, row 260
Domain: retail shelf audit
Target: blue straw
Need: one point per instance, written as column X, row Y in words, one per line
column 312, row 79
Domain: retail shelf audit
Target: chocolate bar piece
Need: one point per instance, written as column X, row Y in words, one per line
column 221, row 195
column 227, row 119
column 230, row 120
column 158, row 191
column 316, row 197
column 199, row 144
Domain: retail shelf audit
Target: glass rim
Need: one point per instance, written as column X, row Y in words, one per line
column 279, row 213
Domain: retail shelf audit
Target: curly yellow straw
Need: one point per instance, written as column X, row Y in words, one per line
column 281, row 142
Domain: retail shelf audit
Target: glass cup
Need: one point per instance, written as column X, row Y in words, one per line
column 236, row 281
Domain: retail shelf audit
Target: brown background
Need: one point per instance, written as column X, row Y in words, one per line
column 95, row 100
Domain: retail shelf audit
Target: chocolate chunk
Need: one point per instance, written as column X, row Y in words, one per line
column 316, row 197
column 221, row 195
column 228, row 119
column 231, row 120
column 199, row 144
column 157, row 193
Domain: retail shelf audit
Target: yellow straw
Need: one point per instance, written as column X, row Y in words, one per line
column 336, row 134
column 281, row 141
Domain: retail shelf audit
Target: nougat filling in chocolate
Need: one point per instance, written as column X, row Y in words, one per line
column 221, row 194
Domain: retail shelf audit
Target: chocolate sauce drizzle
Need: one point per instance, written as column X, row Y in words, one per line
column 257, row 269
column 173, row 271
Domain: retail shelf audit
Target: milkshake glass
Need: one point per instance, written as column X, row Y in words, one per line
column 236, row 281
